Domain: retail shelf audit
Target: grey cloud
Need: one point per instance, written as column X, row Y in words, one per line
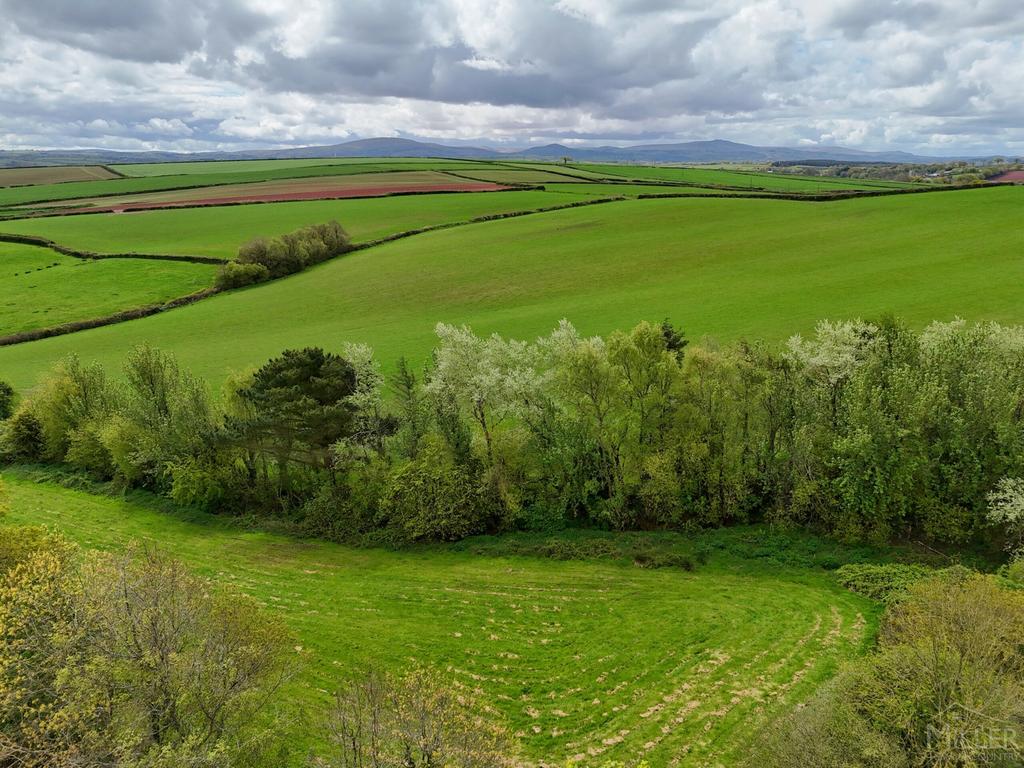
column 216, row 72
column 137, row 30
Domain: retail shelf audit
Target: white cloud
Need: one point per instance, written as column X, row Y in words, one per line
column 920, row 75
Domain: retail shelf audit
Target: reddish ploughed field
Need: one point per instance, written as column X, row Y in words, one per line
column 1017, row 176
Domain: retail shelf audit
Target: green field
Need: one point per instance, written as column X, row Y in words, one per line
column 775, row 182
column 727, row 267
column 219, row 231
column 42, row 288
column 580, row 658
column 241, row 166
column 626, row 189
column 15, row 196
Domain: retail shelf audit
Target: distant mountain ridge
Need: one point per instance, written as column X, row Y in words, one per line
column 717, row 150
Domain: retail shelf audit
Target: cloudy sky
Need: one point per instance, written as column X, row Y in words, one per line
column 931, row 76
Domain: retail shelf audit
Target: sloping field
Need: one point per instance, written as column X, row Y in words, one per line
column 626, row 189
column 1014, row 176
column 40, row 288
column 219, row 232
column 775, row 182
column 16, row 177
column 241, row 166
column 580, row 659
column 318, row 188
column 727, row 267
column 523, row 176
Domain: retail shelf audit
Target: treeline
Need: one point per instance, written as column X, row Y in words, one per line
column 869, row 431
column 266, row 259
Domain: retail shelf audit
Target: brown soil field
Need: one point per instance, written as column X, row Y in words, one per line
column 23, row 177
column 1017, row 176
column 319, row 188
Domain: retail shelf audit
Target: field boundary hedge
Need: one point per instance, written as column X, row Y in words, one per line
column 58, row 213
column 98, row 322
column 153, row 309
column 42, row 242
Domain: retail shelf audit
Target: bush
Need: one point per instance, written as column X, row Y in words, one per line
column 236, row 274
column 826, row 733
column 881, row 582
column 6, row 400
column 23, row 436
column 294, row 252
column 433, row 499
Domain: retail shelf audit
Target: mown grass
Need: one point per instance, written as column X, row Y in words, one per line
column 580, row 658
column 42, row 288
column 220, row 231
column 776, row 182
column 731, row 268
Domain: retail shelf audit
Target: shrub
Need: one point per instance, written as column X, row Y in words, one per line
column 880, row 582
column 237, row 274
column 6, row 400
column 826, row 733
column 23, row 436
column 433, row 499
column 419, row 719
column 293, row 252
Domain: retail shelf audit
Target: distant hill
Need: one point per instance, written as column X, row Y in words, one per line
column 717, row 150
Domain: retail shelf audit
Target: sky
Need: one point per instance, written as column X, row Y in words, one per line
column 939, row 77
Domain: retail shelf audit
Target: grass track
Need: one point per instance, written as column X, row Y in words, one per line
column 580, row 658
column 41, row 288
column 730, row 268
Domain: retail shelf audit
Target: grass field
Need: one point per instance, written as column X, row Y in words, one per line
column 520, row 176
column 355, row 185
column 582, row 659
column 626, row 189
column 775, row 182
column 14, row 177
column 219, row 231
column 16, row 196
column 42, row 288
column 730, row 268
column 241, row 166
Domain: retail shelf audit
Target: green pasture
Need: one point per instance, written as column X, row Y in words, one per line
column 775, row 182
column 15, row 196
column 241, row 166
column 762, row 269
column 579, row 658
column 42, row 288
column 219, row 231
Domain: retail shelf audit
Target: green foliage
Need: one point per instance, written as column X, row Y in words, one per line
column 23, row 437
column 419, row 720
column 944, row 690
column 885, row 582
column 236, row 274
column 6, row 400
column 290, row 253
column 80, row 680
column 434, row 499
